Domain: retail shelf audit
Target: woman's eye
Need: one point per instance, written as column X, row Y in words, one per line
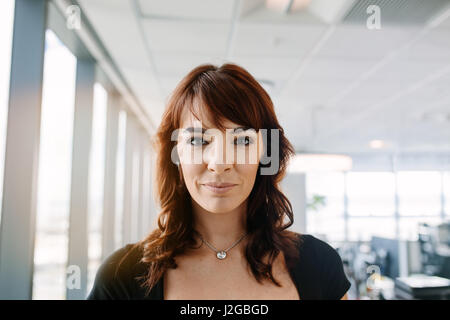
column 243, row 140
column 196, row 141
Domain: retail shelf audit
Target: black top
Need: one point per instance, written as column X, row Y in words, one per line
column 318, row 274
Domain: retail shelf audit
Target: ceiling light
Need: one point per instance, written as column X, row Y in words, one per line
column 377, row 144
column 287, row 5
column 319, row 162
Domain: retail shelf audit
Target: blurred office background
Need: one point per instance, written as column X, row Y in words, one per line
column 362, row 89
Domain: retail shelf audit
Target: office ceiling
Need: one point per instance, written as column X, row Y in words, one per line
column 336, row 84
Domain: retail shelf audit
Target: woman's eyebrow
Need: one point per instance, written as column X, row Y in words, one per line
column 196, row 129
column 241, row 128
column 202, row 130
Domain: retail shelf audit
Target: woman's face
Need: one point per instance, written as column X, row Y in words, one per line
column 209, row 156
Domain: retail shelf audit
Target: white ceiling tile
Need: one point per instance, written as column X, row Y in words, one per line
column 336, row 68
column 105, row 5
column 122, row 40
column 168, row 84
column 276, row 40
column 431, row 93
column 266, row 67
column 250, row 6
column 298, row 127
column 154, row 107
column 400, row 127
column 370, row 93
column 400, row 80
column 445, row 23
column 192, row 9
column 146, row 88
column 186, row 36
column 259, row 13
column 434, row 45
column 358, row 42
column 408, row 70
column 314, row 91
column 141, row 78
column 179, row 65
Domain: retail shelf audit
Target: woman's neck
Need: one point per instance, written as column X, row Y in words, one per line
column 221, row 230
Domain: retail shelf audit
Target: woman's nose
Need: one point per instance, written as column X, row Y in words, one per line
column 219, row 156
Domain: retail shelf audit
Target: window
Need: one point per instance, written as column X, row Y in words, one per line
column 53, row 199
column 96, row 180
column 446, row 189
column 408, row 227
column 371, row 193
column 424, row 196
column 135, row 184
column 147, row 193
column 362, row 229
column 326, row 219
column 120, row 171
column 6, row 30
column 419, row 193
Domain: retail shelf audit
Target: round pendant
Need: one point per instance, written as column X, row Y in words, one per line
column 221, row 255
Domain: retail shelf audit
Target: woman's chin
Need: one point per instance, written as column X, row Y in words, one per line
column 219, row 209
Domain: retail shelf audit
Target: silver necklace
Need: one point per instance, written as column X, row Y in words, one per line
column 222, row 254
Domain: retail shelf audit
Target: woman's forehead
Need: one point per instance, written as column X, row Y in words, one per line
column 204, row 121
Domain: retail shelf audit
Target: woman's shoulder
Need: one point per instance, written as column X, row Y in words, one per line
column 116, row 275
column 123, row 261
column 320, row 269
column 314, row 244
column 315, row 250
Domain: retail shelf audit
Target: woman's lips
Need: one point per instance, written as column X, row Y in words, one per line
column 219, row 190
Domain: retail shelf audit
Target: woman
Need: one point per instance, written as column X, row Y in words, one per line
column 221, row 231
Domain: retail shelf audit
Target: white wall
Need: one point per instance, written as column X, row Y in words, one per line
column 294, row 187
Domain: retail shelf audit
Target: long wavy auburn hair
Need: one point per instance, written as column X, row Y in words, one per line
column 227, row 92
